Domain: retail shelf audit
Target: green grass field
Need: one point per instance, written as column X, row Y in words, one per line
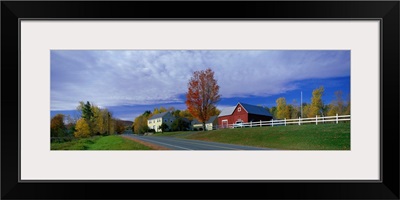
column 293, row 137
column 112, row 142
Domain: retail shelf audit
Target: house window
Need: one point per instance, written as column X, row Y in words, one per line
column 239, row 109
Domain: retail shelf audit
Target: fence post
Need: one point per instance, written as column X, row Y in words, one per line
column 337, row 118
column 272, row 122
column 260, row 123
column 316, row 119
column 299, row 121
column 251, row 124
column 285, row 121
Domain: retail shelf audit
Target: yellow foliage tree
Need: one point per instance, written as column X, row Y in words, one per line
column 348, row 108
column 332, row 110
column 294, row 110
column 159, row 110
column 282, row 109
column 98, row 122
column 316, row 102
column 82, row 129
column 306, row 110
column 140, row 124
column 186, row 114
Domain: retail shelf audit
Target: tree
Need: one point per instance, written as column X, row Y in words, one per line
column 337, row 105
column 82, row 129
column 159, row 110
column 100, row 122
column 295, row 110
column 141, row 124
column 163, row 127
column 306, row 110
column 179, row 124
column 97, row 121
column 112, row 126
column 339, row 102
column 217, row 111
column 202, row 95
column 176, row 113
column 57, row 126
column 186, row 114
column 332, row 110
column 282, row 109
column 272, row 110
column 147, row 113
column 119, row 126
column 316, row 102
column 348, row 108
column 86, row 110
column 70, row 125
column 325, row 110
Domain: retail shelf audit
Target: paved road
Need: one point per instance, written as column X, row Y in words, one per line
column 185, row 144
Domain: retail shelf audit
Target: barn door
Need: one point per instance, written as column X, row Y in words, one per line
column 225, row 123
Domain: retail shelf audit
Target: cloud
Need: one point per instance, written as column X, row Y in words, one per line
column 115, row 78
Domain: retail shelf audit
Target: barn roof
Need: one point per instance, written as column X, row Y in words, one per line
column 158, row 115
column 257, row 110
column 251, row 109
column 227, row 111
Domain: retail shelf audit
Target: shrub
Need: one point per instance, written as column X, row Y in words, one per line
column 179, row 124
column 164, row 127
column 82, row 129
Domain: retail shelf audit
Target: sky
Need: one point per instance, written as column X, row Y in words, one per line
column 129, row 82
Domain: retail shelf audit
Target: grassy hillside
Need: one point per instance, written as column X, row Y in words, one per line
column 111, row 142
column 304, row 137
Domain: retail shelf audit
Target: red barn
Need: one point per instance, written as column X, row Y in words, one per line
column 242, row 113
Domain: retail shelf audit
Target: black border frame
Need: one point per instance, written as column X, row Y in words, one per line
column 386, row 11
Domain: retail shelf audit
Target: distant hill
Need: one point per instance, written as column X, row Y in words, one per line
column 126, row 123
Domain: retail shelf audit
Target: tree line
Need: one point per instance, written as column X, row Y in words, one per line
column 315, row 108
column 92, row 121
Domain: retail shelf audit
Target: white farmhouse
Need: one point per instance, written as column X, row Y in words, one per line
column 155, row 121
column 211, row 124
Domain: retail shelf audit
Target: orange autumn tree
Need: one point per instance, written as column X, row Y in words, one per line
column 202, row 95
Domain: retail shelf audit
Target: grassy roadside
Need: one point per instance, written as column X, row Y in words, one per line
column 112, row 142
column 304, row 137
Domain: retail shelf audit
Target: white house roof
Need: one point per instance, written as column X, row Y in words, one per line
column 227, row 111
column 211, row 120
column 160, row 115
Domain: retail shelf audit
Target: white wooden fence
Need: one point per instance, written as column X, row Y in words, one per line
column 317, row 120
